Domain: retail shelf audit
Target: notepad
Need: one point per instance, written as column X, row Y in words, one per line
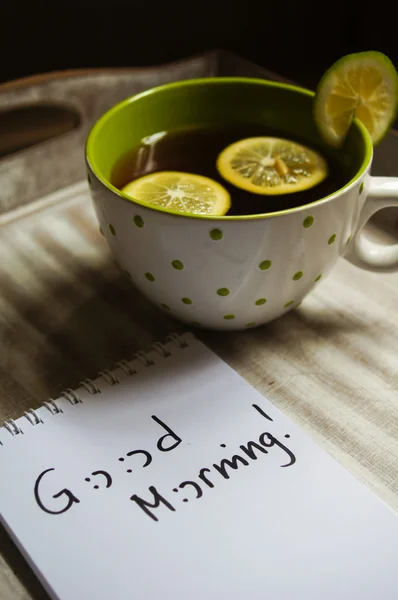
column 171, row 477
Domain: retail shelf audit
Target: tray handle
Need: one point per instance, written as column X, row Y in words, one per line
column 28, row 125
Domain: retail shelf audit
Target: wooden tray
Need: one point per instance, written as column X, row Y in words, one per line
column 67, row 311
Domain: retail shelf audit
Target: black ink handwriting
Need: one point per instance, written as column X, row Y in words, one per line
column 170, row 434
column 203, row 477
column 157, row 500
column 232, row 463
column 195, row 485
column 65, row 492
column 262, row 412
column 248, row 449
column 108, row 478
column 273, row 441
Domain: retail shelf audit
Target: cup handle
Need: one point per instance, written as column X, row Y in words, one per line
column 368, row 254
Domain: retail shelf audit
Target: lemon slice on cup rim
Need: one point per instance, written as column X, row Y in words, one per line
column 362, row 85
column 271, row 166
column 178, row 192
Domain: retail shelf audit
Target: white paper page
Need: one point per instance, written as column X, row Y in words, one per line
column 291, row 524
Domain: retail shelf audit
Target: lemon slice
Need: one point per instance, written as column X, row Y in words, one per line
column 271, row 166
column 363, row 85
column 180, row 192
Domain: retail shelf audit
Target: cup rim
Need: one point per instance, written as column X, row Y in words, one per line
column 108, row 115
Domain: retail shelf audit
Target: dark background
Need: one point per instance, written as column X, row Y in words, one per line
column 299, row 39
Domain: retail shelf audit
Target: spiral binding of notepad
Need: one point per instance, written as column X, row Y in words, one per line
column 92, row 385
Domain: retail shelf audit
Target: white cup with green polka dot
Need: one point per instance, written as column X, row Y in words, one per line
column 233, row 272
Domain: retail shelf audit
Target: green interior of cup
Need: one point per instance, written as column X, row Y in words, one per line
column 217, row 101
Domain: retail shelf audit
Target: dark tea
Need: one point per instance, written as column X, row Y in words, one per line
column 196, row 150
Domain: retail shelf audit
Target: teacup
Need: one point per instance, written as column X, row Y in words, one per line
column 233, row 272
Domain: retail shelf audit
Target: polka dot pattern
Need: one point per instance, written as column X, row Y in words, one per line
column 223, row 292
column 177, row 264
column 260, row 301
column 308, row 222
column 362, row 187
column 265, row 265
column 216, row 234
column 89, row 180
column 138, row 221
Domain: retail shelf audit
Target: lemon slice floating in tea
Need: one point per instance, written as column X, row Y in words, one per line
column 180, row 192
column 271, row 166
column 362, row 85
